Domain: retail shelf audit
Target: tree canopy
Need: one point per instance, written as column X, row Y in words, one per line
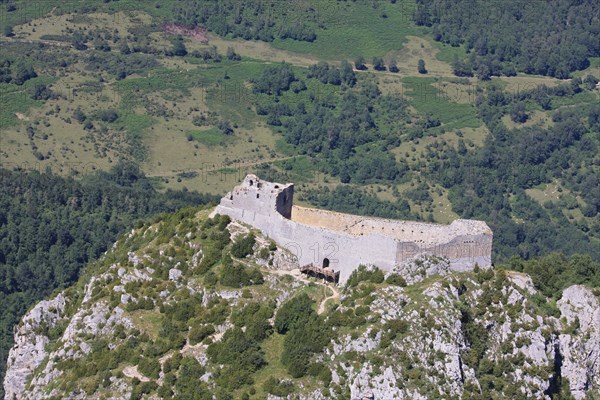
column 51, row 227
column 547, row 38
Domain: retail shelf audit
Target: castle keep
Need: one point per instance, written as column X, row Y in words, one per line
column 342, row 242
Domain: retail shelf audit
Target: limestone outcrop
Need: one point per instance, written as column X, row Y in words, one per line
column 28, row 351
column 580, row 345
column 447, row 334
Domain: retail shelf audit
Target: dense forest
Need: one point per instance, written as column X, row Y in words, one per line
column 551, row 38
column 51, row 226
column 490, row 183
column 347, row 126
column 255, row 20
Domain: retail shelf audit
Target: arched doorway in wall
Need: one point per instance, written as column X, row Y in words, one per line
column 325, row 262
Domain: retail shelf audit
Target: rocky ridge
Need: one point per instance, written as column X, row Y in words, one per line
column 147, row 314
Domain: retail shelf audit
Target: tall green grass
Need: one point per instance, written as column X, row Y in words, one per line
column 211, row 137
column 426, row 98
column 353, row 28
column 17, row 98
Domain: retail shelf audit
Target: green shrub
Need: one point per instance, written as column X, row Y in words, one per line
column 233, row 377
column 264, row 253
column 165, row 392
column 293, row 313
column 361, row 310
column 252, row 312
column 210, row 257
column 278, row 387
column 572, row 328
column 306, row 334
column 236, row 275
column 242, row 246
column 548, row 306
column 216, row 314
column 301, row 342
column 242, row 355
column 188, row 384
column 199, row 332
column 476, row 336
column 90, row 386
column 172, row 363
column 396, row 279
column 142, row 388
column 320, row 371
column 210, row 279
column 365, row 274
column 150, row 367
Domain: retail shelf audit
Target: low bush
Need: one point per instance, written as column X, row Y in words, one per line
column 242, row 247
column 199, row 332
column 365, row 274
column 237, row 276
column 278, row 387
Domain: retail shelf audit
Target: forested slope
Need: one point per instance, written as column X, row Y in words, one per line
column 551, row 38
column 50, row 227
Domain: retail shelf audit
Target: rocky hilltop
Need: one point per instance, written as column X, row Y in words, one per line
column 200, row 308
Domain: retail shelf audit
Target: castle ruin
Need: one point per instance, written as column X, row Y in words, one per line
column 341, row 242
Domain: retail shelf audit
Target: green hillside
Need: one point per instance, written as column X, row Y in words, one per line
column 194, row 307
column 420, row 110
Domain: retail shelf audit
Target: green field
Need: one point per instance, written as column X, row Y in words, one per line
column 351, row 32
column 15, row 99
column 210, row 137
column 426, row 97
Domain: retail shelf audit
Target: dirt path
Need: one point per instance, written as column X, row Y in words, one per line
column 33, row 41
column 220, row 167
column 335, row 295
column 298, row 275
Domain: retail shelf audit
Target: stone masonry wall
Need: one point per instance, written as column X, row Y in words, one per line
column 347, row 240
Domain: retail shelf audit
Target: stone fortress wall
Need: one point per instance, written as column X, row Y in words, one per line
column 344, row 241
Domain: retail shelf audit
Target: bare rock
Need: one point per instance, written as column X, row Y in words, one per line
column 28, row 351
column 580, row 356
column 174, row 274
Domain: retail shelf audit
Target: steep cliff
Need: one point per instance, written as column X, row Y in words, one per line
column 198, row 307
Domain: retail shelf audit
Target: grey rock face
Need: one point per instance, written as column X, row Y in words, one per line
column 28, row 351
column 422, row 267
column 174, row 274
column 580, row 357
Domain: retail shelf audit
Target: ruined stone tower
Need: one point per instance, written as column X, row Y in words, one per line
column 343, row 241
